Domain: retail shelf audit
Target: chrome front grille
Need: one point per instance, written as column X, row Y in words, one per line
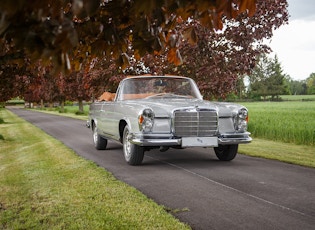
column 195, row 123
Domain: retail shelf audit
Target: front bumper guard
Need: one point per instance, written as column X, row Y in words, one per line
column 234, row 138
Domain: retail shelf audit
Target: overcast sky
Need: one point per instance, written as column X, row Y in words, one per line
column 294, row 43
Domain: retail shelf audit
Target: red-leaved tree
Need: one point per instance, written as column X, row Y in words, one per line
column 218, row 59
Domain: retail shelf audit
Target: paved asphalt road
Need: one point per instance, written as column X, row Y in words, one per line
column 247, row 193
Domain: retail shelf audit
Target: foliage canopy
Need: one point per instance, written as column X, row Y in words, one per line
column 89, row 40
column 53, row 28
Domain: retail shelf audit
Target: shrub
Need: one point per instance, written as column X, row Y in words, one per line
column 69, row 103
column 64, row 110
column 79, row 113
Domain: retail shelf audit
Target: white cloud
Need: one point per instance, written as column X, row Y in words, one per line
column 294, row 43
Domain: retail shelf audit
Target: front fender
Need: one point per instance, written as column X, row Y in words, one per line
column 132, row 123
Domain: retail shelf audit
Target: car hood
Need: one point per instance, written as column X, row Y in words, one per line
column 165, row 107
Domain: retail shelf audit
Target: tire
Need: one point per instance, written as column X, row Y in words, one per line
column 133, row 153
column 226, row 152
column 100, row 143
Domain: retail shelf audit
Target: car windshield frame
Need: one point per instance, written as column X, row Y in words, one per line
column 157, row 87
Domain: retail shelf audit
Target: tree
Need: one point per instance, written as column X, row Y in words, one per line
column 52, row 29
column 76, row 88
column 301, row 87
column 79, row 32
column 267, row 78
column 277, row 84
column 217, row 60
column 296, row 87
column 13, row 72
column 310, row 82
column 6, row 86
column 259, row 77
column 103, row 76
column 12, row 81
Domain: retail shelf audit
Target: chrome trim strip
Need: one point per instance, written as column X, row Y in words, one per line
column 156, row 142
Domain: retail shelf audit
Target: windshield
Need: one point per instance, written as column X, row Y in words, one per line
column 158, row 87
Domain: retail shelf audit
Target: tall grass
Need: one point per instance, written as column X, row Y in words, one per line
column 291, row 122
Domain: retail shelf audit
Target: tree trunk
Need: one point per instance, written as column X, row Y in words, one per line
column 81, row 106
column 62, row 106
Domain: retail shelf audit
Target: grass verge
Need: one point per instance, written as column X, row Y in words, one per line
column 44, row 185
column 70, row 111
column 286, row 152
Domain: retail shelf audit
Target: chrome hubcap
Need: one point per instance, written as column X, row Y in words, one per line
column 95, row 135
column 127, row 145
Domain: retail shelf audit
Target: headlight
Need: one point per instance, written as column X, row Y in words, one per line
column 243, row 113
column 241, row 120
column 146, row 120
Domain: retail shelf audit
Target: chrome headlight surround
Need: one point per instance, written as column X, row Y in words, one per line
column 241, row 120
column 146, row 120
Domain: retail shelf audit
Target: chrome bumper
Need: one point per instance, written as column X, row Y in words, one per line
column 169, row 140
column 234, row 138
column 154, row 140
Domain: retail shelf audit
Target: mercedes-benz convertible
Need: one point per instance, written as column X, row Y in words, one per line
column 162, row 112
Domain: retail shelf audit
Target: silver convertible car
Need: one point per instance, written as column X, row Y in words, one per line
column 163, row 112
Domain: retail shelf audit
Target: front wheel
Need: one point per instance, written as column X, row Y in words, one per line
column 226, row 152
column 100, row 143
column 133, row 153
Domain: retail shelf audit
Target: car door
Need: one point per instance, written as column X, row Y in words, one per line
column 107, row 119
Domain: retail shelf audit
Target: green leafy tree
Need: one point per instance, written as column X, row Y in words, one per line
column 268, row 79
column 310, row 83
column 296, row 87
column 277, row 80
column 259, row 77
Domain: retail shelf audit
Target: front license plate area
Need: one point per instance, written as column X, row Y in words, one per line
column 199, row 142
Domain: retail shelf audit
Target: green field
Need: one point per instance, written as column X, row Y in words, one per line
column 290, row 122
column 298, row 97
